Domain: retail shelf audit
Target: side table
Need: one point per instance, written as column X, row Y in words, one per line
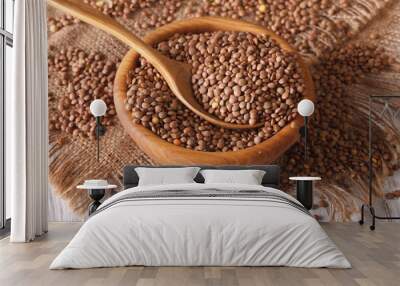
column 304, row 190
column 96, row 193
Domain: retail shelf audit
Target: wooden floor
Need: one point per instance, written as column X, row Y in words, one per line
column 375, row 257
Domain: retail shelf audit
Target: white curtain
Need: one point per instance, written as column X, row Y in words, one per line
column 26, row 123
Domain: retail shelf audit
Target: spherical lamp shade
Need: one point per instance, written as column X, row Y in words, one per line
column 305, row 107
column 98, row 107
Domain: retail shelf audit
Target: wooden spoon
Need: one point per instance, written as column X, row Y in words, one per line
column 177, row 75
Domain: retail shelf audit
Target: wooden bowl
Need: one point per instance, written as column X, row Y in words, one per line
column 163, row 152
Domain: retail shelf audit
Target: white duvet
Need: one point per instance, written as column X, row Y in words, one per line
column 200, row 231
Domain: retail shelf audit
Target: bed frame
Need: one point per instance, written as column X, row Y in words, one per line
column 271, row 177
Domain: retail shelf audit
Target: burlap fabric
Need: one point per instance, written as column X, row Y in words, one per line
column 73, row 158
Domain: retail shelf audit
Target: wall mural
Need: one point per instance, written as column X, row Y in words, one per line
column 346, row 50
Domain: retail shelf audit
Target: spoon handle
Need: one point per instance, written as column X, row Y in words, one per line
column 92, row 16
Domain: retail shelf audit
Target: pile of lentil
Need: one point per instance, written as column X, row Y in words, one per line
column 57, row 23
column 119, row 8
column 239, row 77
column 85, row 77
column 150, row 14
column 311, row 26
column 338, row 133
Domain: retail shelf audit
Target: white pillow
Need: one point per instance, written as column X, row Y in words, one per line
column 247, row 177
column 165, row 176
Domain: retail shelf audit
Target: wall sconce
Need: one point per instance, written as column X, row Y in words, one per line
column 98, row 109
column 305, row 108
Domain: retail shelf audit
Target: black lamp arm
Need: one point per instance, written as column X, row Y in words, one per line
column 100, row 131
column 304, row 134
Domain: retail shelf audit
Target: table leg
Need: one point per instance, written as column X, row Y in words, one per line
column 96, row 195
column 305, row 193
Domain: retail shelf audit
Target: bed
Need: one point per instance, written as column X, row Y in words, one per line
column 198, row 224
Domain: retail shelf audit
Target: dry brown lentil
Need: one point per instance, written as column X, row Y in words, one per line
column 215, row 83
column 85, row 77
